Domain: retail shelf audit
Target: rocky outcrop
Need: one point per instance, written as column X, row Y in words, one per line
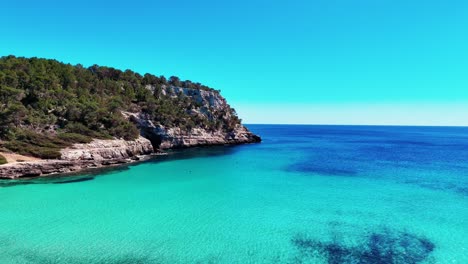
column 98, row 153
column 108, row 149
column 168, row 138
column 205, row 98
column 45, row 167
column 209, row 101
column 176, row 138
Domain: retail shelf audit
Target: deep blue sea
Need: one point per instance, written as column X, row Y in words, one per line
column 307, row 194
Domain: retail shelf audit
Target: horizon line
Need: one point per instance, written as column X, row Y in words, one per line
column 375, row 125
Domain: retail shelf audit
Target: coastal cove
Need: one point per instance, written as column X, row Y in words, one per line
column 307, row 194
column 234, row 132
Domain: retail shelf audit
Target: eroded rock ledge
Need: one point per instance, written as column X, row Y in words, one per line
column 169, row 138
column 175, row 138
column 98, row 153
column 101, row 150
column 101, row 153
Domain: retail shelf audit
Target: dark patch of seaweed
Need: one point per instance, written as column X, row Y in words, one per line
column 385, row 247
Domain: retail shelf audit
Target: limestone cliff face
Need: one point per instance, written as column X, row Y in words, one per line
column 176, row 138
column 108, row 149
column 210, row 99
column 98, row 153
column 209, row 102
column 167, row 138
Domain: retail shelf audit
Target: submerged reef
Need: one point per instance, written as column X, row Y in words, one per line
column 381, row 247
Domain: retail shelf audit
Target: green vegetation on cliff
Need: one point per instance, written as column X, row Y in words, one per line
column 46, row 105
column 2, row 160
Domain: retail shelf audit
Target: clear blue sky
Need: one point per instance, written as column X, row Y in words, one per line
column 321, row 61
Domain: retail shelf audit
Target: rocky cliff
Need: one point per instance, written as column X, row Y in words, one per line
column 174, row 137
column 63, row 117
column 153, row 138
column 102, row 150
column 98, row 153
column 208, row 103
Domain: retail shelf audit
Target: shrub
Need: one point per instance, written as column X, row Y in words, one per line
column 37, row 145
column 74, row 138
column 25, row 148
column 2, row 160
column 78, row 128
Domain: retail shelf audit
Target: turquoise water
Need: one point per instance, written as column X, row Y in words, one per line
column 307, row 194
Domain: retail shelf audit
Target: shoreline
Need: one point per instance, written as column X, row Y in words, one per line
column 101, row 153
column 35, row 168
column 44, row 168
column 84, row 169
